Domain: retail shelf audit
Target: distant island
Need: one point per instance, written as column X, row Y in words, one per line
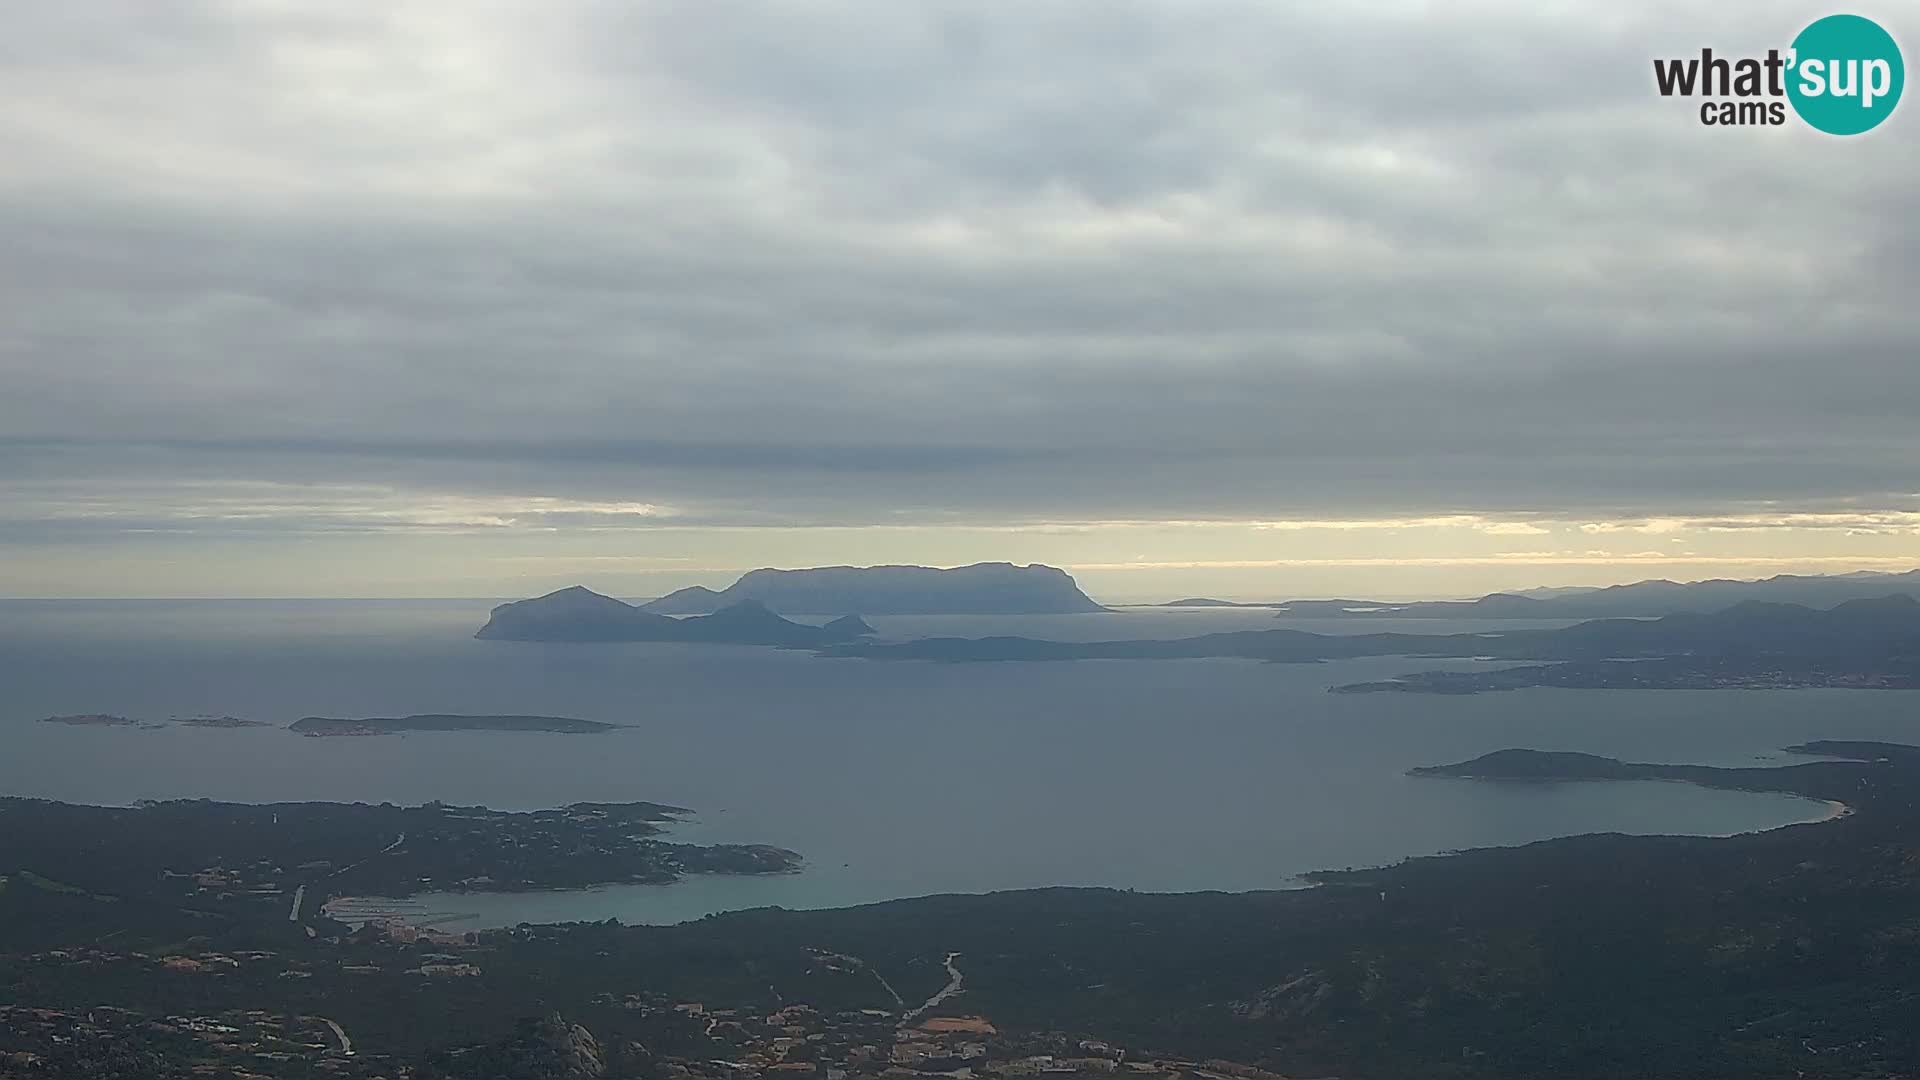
column 106, row 720
column 995, row 588
column 217, row 722
column 1210, row 602
column 1641, row 599
column 384, row 725
column 580, row 614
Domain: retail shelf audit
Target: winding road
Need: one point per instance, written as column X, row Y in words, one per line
column 346, row 1044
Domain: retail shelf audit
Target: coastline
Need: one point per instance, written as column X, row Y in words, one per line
column 1835, row 811
column 1522, row 766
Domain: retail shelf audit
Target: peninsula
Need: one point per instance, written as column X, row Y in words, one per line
column 1641, row 599
column 1663, row 673
column 1860, row 643
column 211, row 856
column 1834, row 781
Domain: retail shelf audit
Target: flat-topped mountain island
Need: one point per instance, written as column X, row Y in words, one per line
column 990, row 588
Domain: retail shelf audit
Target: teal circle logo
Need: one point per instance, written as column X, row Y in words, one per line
column 1845, row 75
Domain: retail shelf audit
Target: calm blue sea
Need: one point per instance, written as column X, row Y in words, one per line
column 893, row 779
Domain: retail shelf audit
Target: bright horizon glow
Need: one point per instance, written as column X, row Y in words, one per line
column 449, row 299
column 485, row 549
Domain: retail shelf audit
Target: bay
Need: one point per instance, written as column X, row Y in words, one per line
column 892, row 779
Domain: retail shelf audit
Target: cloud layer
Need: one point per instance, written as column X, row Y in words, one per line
column 581, row 265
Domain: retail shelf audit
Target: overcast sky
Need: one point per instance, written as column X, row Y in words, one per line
column 467, row 297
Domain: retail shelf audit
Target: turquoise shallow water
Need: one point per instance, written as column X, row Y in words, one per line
column 892, row 779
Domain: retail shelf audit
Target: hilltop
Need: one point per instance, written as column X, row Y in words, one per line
column 1640, row 599
column 996, row 588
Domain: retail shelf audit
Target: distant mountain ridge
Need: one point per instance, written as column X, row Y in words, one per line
column 1641, row 599
column 1877, row 633
column 995, row 588
column 578, row 613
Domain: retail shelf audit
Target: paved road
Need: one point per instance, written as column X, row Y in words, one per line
column 897, row 999
column 954, row 980
column 397, row 841
column 346, row 1044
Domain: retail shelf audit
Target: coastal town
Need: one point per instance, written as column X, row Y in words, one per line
column 660, row 1037
column 112, row 971
column 234, row 942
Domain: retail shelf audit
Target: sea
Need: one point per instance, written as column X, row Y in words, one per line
column 892, row 779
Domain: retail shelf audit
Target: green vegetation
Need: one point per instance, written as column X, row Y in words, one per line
column 234, row 864
column 50, row 885
column 1790, row 952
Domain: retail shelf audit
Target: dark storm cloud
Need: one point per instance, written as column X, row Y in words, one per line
column 840, row 263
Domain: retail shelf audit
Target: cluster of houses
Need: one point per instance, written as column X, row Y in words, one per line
column 800, row 1043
